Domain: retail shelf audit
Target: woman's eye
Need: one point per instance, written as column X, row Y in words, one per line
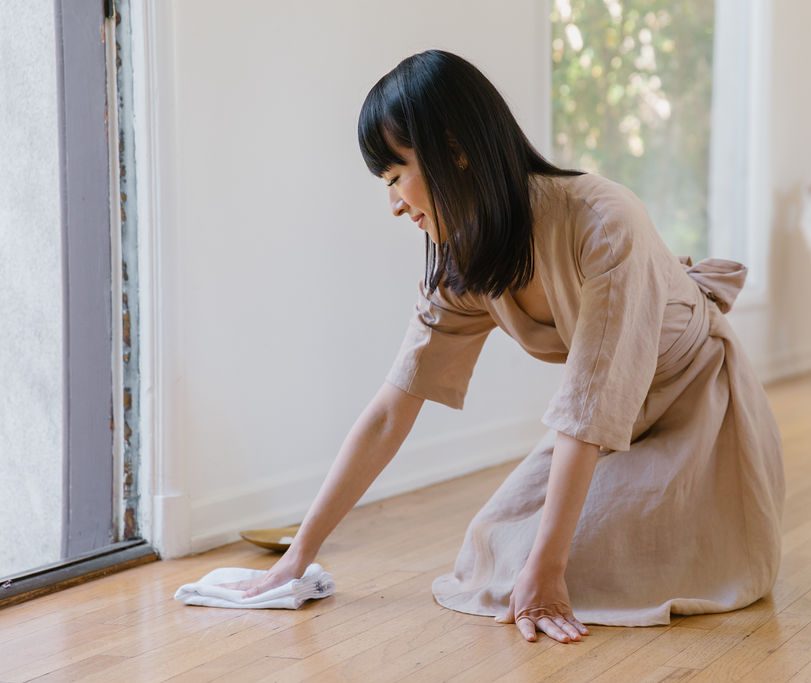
column 392, row 181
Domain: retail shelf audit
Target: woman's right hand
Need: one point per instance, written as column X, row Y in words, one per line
column 287, row 567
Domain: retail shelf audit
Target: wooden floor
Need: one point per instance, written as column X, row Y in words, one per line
column 383, row 625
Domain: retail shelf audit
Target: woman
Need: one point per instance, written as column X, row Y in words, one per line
column 659, row 488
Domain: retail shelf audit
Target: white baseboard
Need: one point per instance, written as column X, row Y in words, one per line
column 779, row 366
column 171, row 530
column 284, row 501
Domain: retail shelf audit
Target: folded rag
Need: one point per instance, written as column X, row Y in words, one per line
column 316, row 582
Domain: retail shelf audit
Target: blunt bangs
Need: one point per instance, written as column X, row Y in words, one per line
column 382, row 115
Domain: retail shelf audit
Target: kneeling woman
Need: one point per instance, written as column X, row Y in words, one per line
column 659, row 488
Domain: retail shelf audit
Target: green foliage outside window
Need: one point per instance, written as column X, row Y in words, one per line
column 631, row 95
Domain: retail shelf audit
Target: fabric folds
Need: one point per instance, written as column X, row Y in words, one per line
column 443, row 341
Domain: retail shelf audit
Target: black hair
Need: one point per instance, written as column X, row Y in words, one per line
column 440, row 105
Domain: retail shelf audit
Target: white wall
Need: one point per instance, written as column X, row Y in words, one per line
column 286, row 282
column 790, row 273
column 284, row 285
column 777, row 330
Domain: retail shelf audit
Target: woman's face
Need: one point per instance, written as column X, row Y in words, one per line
column 408, row 192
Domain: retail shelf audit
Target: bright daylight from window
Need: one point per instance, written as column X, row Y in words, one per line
column 632, row 86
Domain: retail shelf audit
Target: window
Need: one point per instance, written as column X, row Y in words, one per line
column 663, row 96
column 67, row 495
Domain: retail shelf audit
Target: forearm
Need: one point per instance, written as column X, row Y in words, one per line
column 369, row 446
column 573, row 463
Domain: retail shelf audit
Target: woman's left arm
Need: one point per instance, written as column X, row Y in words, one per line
column 540, row 597
column 573, row 464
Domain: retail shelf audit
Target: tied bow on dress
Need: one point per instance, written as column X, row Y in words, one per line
column 719, row 279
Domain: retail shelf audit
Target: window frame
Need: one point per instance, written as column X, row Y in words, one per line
column 745, row 38
column 88, row 521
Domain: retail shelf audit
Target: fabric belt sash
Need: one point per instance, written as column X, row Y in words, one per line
column 720, row 281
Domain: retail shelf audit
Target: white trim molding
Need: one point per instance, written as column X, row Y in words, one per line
column 740, row 178
column 164, row 511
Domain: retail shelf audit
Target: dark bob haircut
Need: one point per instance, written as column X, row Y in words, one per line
column 440, row 105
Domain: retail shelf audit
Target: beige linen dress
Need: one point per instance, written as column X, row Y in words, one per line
column 683, row 514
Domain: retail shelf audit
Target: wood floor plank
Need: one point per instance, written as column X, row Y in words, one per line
column 623, row 643
column 785, row 662
column 654, row 655
column 78, row 671
column 429, row 637
column 669, row 674
column 747, row 654
column 184, row 653
column 802, row 676
column 53, row 641
column 520, row 652
column 731, row 630
column 791, row 587
column 107, row 638
column 481, row 643
column 801, row 605
column 234, row 667
column 372, row 635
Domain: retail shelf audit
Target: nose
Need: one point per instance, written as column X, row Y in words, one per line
column 398, row 206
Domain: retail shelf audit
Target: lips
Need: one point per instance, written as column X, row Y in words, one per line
column 417, row 218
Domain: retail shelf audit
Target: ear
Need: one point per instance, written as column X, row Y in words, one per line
column 458, row 154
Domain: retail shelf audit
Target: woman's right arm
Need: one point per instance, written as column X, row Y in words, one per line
column 370, row 445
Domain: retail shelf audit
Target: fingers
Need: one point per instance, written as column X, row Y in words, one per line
column 559, row 629
column 527, row 627
column 562, row 628
column 256, row 590
column 262, row 587
column 580, row 627
column 553, row 630
column 236, row 585
column 568, row 628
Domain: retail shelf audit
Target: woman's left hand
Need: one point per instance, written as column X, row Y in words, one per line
column 542, row 599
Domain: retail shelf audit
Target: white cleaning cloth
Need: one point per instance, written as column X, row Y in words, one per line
column 316, row 582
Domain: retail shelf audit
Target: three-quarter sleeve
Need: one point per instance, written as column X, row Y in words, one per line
column 442, row 343
column 614, row 348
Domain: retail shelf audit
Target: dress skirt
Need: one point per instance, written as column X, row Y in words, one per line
column 687, row 521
